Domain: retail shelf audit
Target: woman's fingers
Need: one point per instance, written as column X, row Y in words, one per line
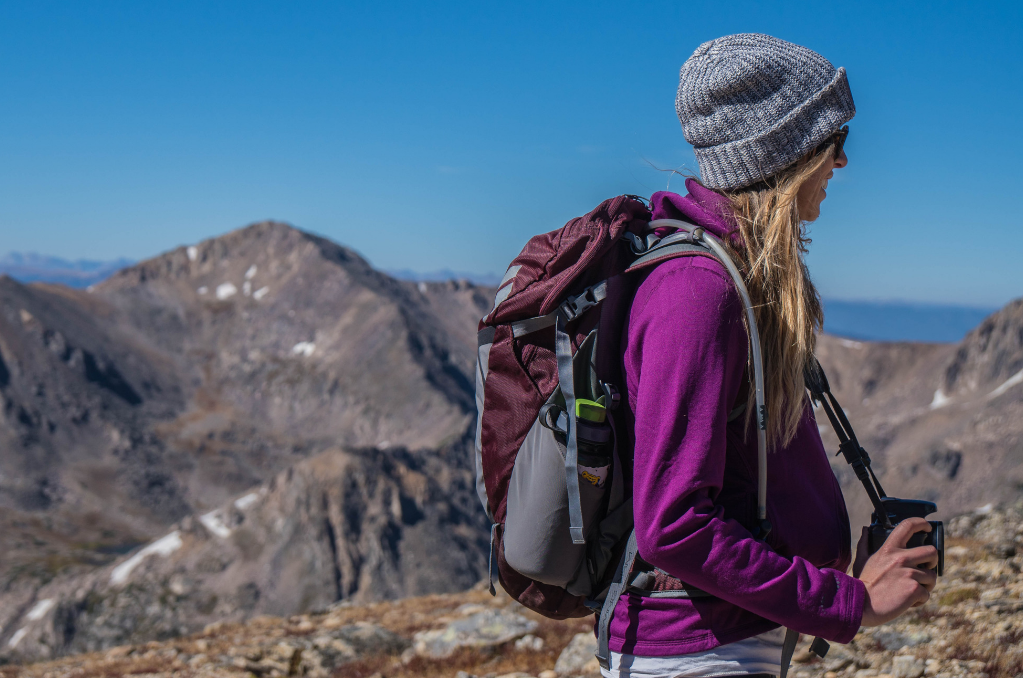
column 926, row 578
column 898, row 578
column 921, row 556
column 905, row 530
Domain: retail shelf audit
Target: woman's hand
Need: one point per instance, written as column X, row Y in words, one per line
column 896, row 578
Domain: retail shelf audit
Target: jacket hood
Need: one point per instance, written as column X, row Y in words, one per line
column 701, row 206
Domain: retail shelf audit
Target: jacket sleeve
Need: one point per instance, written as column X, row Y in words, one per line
column 687, row 342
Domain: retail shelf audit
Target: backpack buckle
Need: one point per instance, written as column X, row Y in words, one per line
column 612, row 397
column 573, row 307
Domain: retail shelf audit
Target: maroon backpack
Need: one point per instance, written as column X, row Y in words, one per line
column 548, row 468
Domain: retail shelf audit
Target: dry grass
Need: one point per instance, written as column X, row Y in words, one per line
column 960, row 595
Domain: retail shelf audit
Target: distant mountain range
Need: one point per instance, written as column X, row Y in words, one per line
column 900, row 320
column 443, row 274
column 31, row 267
column 865, row 320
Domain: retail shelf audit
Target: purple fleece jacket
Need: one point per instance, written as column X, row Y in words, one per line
column 694, row 475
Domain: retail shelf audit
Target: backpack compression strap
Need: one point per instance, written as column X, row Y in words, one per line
column 618, row 585
column 566, row 379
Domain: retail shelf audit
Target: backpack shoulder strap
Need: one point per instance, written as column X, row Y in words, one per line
column 687, row 240
column 696, row 233
column 653, row 251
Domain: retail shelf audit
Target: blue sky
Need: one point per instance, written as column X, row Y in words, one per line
column 443, row 135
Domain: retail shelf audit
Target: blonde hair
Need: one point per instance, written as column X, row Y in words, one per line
column 787, row 305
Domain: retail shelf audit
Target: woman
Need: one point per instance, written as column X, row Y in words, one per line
column 766, row 118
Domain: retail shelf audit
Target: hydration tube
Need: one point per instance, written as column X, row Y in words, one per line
column 754, row 338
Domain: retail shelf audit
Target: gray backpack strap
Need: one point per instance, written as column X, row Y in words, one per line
column 699, row 235
column 614, row 593
column 492, row 569
column 668, row 249
column 566, row 379
column 651, row 250
column 567, row 311
column 788, row 648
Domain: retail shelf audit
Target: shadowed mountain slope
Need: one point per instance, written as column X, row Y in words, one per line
column 942, row 422
column 357, row 525
column 185, row 380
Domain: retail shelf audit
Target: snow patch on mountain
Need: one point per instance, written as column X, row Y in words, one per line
column 161, row 547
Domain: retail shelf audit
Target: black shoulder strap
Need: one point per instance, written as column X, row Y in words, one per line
column 849, row 446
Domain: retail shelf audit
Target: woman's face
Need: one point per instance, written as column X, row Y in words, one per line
column 813, row 191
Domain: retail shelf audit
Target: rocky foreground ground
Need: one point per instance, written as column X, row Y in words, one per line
column 971, row 627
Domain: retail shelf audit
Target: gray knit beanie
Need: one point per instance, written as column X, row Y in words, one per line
column 752, row 105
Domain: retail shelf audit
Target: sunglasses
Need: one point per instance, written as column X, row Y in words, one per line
column 838, row 139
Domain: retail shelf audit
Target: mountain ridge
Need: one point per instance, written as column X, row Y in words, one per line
column 273, row 363
column 176, row 385
column 866, row 320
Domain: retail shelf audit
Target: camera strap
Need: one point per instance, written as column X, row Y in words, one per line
column 821, row 395
column 849, row 447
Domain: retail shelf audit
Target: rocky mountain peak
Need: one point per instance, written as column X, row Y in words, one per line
column 990, row 356
column 231, row 260
column 188, row 379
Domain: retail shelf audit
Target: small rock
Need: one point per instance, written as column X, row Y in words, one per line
column 365, row 638
column 304, row 626
column 529, row 643
column 907, row 666
column 119, row 652
column 469, row 608
column 213, row 629
column 837, row 664
column 993, row 594
column 1004, row 549
column 838, row 658
column 482, row 629
column 956, row 552
column 548, row 674
column 463, row 674
column 578, row 658
column 893, row 640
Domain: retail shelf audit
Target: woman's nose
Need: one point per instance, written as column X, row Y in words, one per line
column 842, row 160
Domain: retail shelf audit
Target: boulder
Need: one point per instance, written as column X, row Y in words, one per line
column 579, row 657
column 907, row 666
column 482, row 629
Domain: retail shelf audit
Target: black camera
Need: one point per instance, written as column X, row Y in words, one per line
column 898, row 510
column 888, row 511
